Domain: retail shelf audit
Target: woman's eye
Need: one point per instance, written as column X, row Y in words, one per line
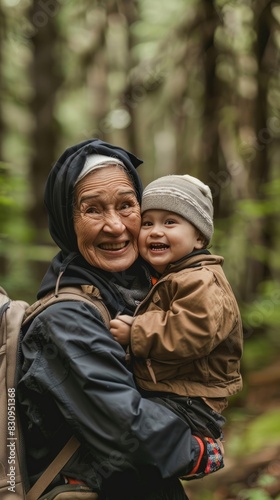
column 91, row 210
column 125, row 206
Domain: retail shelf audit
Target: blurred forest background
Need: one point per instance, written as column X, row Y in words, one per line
column 190, row 86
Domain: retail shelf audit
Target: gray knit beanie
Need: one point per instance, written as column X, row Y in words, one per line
column 184, row 195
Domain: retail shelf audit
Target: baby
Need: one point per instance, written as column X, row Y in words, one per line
column 186, row 337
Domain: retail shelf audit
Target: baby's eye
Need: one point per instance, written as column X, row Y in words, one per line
column 170, row 221
column 146, row 223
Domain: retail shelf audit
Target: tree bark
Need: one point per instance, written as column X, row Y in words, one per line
column 210, row 137
column 259, row 233
column 45, row 78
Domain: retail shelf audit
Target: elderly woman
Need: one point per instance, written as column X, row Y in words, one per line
column 131, row 448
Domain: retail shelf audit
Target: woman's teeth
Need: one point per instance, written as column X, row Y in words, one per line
column 113, row 246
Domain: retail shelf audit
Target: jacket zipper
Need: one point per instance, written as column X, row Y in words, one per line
column 151, row 371
column 150, row 292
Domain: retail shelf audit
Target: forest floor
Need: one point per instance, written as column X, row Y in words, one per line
column 252, row 445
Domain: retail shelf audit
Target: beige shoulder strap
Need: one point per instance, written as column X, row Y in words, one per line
column 85, row 293
column 53, row 469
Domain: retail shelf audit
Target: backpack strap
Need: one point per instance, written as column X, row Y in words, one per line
column 11, row 315
column 53, row 469
column 85, row 293
column 90, row 295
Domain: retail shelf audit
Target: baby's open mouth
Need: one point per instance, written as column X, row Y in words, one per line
column 158, row 246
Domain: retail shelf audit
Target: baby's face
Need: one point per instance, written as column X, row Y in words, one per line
column 166, row 237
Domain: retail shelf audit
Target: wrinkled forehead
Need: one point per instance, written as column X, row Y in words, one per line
column 104, row 182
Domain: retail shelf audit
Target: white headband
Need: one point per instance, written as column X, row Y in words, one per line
column 95, row 161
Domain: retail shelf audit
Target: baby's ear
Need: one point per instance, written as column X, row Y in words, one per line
column 201, row 241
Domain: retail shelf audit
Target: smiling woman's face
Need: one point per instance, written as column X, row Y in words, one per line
column 107, row 219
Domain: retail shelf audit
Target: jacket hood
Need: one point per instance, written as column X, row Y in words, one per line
column 60, row 187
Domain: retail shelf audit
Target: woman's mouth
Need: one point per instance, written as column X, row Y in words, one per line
column 113, row 246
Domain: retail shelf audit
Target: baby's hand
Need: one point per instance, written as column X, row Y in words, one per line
column 125, row 318
column 120, row 328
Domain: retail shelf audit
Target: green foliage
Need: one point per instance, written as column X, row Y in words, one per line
column 258, row 492
column 268, row 204
column 17, row 252
column 249, row 434
column 264, row 311
column 262, row 431
column 253, row 494
column 258, row 351
column 12, row 196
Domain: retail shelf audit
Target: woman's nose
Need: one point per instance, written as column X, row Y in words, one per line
column 113, row 224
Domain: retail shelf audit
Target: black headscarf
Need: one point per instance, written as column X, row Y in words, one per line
column 59, row 201
column 60, row 187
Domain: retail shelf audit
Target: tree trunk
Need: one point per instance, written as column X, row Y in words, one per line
column 97, row 78
column 259, row 233
column 45, row 78
column 127, row 101
column 210, row 138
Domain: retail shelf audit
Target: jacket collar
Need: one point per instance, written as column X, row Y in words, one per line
column 194, row 259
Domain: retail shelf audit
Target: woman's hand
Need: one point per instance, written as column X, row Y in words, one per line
column 120, row 328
